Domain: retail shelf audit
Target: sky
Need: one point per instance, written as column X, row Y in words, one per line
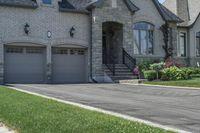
column 161, row 1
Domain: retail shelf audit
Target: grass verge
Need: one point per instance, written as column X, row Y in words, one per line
column 32, row 114
column 195, row 82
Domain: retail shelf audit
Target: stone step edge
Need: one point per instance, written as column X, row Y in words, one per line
column 132, row 81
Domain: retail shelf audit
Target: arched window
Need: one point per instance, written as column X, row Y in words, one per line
column 198, row 44
column 143, row 38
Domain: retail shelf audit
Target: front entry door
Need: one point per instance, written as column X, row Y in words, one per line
column 112, row 43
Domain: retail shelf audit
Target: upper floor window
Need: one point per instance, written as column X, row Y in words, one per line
column 46, row 1
column 114, row 3
column 143, row 38
column 182, row 44
column 198, row 44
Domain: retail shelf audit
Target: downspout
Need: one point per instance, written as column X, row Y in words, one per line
column 91, row 70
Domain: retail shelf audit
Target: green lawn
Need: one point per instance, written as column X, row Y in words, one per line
column 31, row 114
column 195, row 82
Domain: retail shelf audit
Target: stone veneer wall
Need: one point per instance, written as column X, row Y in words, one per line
column 105, row 13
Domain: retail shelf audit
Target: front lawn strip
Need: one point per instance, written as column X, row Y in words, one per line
column 32, row 114
column 195, row 82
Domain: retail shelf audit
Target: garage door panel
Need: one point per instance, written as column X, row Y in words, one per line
column 69, row 68
column 24, row 67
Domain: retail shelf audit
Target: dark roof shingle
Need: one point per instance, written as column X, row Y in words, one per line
column 166, row 14
column 20, row 3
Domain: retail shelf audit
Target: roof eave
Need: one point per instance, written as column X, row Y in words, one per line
column 98, row 3
column 73, row 10
column 34, row 6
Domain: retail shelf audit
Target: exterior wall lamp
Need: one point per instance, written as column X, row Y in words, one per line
column 72, row 32
column 49, row 34
column 26, row 28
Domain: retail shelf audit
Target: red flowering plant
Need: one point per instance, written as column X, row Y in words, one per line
column 171, row 63
column 136, row 71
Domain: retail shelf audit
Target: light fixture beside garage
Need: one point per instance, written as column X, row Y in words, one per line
column 26, row 28
column 49, row 34
column 72, row 32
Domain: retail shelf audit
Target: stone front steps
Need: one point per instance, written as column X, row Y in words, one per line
column 122, row 72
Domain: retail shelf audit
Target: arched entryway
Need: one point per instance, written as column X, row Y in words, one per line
column 112, row 42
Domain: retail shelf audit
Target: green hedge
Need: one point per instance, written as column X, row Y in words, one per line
column 150, row 75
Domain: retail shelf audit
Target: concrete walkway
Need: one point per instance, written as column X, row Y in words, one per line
column 172, row 107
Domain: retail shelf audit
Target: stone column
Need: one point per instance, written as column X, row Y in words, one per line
column 48, row 64
column 173, row 38
column 97, row 71
column 1, row 63
column 128, row 37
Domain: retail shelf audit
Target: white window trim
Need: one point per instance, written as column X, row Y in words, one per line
column 186, row 41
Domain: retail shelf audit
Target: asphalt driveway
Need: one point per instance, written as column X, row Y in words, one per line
column 179, row 108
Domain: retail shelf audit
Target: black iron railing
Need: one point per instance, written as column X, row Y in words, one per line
column 109, row 61
column 111, row 65
column 128, row 60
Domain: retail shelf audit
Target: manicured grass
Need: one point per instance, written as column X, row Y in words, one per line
column 195, row 82
column 31, row 114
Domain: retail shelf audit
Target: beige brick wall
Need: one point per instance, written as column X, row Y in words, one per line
column 44, row 18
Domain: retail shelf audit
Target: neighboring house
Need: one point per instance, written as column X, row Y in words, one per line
column 76, row 41
column 188, row 31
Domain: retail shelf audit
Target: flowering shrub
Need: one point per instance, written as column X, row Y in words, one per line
column 170, row 63
column 136, row 71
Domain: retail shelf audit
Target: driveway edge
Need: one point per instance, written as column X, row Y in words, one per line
column 127, row 117
column 164, row 86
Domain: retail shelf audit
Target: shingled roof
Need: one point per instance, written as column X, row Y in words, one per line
column 166, row 14
column 84, row 5
column 97, row 3
column 19, row 3
column 193, row 10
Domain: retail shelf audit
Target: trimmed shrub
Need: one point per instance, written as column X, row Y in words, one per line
column 188, row 72
column 157, row 67
column 150, row 75
column 195, row 70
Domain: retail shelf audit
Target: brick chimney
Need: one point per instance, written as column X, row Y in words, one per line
column 183, row 10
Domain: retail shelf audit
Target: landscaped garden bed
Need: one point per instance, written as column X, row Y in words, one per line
column 194, row 82
column 169, row 73
column 26, row 113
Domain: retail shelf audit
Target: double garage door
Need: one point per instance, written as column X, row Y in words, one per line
column 28, row 65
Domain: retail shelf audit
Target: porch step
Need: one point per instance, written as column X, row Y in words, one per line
column 118, row 79
column 122, row 72
column 133, row 81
